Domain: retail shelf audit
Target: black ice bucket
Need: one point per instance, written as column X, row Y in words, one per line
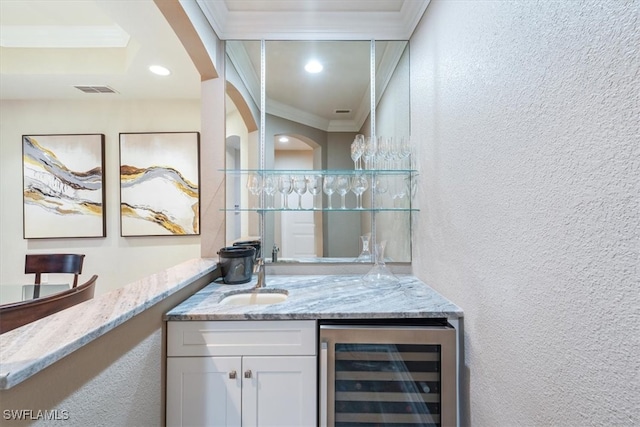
column 253, row 243
column 236, row 264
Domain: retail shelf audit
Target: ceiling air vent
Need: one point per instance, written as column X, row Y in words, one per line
column 342, row 111
column 95, row 89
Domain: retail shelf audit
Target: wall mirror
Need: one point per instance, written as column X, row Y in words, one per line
column 296, row 123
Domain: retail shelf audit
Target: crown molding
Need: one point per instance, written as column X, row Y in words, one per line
column 285, row 111
column 274, row 22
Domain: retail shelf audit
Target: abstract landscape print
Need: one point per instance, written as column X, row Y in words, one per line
column 159, row 184
column 63, row 186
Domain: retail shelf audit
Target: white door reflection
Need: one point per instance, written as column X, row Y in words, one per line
column 299, row 231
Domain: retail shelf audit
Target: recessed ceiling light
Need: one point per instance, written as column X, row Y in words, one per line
column 283, row 139
column 313, row 66
column 159, row 70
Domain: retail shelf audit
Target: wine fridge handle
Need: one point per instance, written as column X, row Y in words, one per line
column 324, row 350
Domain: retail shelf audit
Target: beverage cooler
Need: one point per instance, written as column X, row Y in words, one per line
column 396, row 375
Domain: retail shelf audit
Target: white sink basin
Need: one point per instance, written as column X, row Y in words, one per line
column 255, row 297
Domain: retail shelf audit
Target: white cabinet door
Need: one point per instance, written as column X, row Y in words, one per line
column 280, row 391
column 202, row 391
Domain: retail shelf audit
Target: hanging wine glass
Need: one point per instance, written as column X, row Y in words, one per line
column 329, row 187
column 270, row 186
column 300, row 187
column 314, row 186
column 343, row 185
column 359, row 185
column 285, row 187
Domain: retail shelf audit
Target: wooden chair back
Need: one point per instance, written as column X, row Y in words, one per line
column 39, row 264
column 14, row 315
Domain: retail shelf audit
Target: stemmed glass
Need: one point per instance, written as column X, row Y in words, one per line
column 285, row 187
column 400, row 188
column 357, row 149
column 370, row 149
column 343, row 185
column 270, row 186
column 314, row 186
column 379, row 186
column 405, row 151
column 254, row 184
column 359, row 185
column 300, row 187
column 329, row 187
column 384, row 152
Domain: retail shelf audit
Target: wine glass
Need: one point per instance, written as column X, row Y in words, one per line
column 300, row 187
column 379, row 186
column 400, row 189
column 405, row 152
column 314, row 186
column 357, row 149
column 343, row 185
column 254, row 184
column 285, row 187
column 369, row 154
column 384, row 151
column 270, row 186
column 329, row 187
column 359, row 185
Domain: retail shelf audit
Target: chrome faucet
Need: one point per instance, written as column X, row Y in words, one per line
column 274, row 253
column 260, row 270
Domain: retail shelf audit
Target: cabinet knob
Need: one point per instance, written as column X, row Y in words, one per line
column 232, row 375
column 247, row 373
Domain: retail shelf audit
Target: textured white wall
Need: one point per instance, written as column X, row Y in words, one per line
column 116, row 260
column 528, row 118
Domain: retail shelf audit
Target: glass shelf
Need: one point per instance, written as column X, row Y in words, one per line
column 321, row 210
column 320, row 172
column 403, row 180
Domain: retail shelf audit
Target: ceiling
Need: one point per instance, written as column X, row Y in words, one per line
column 50, row 46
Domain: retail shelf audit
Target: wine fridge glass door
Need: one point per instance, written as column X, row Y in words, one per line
column 378, row 375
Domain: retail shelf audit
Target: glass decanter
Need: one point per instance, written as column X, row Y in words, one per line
column 365, row 254
column 379, row 274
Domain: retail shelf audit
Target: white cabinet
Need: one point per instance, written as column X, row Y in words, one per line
column 241, row 373
column 200, row 392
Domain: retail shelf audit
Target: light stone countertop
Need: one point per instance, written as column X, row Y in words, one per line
column 29, row 349
column 321, row 297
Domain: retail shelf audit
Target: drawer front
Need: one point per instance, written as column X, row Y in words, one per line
column 235, row 338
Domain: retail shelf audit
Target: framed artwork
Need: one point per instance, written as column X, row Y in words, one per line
column 63, row 186
column 159, row 184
